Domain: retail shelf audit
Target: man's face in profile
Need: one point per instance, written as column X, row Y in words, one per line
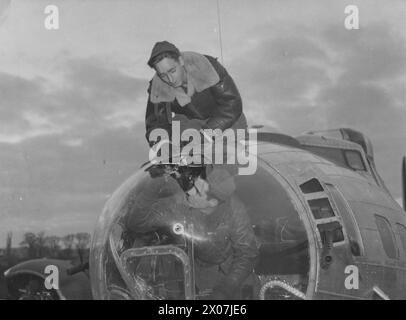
column 171, row 71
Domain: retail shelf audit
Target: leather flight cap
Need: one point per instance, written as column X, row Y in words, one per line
column 160, row 47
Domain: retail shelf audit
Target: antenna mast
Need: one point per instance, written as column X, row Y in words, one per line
column 219, row 25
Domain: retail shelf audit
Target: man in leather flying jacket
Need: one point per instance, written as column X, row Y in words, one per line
column 224, row 241
column 192, row 85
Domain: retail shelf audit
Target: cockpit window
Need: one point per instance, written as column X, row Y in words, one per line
column 311, row 186
column 332, row 154
column 336, row 230
column 321, row 208
column 347, row 158
column 354, row 160
column 402, row 233
column 387, row 236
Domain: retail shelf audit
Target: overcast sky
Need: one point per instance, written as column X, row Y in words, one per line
column 72, row 100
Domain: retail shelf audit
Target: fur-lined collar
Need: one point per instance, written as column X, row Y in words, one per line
column 200, row 76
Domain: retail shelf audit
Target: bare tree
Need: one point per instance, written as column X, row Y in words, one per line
column 52, row 243
column 30, row 240
column 9, row 244
column 68, row 241
column 82, row 243
column 40, row 243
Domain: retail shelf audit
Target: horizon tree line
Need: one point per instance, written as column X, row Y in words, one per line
column 40, row 245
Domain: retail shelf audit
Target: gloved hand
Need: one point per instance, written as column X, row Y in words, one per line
column 197, row 196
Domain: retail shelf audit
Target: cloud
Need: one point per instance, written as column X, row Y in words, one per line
column 328, row 79
column 4, row 10
column 60, row 188
column 372, row 53
column 365, row 96
column 18, row 96
column 280, row 78
column 281, row 69
column 91, row 97
column 66, row 146
column 95, row 81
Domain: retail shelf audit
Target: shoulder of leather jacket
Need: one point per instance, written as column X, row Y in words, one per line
column 221, row 71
